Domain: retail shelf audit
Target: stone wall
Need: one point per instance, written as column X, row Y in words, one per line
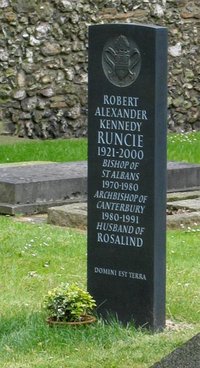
column 43, row 61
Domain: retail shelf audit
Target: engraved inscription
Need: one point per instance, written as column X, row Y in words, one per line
column 121, row 61
column 119, row 198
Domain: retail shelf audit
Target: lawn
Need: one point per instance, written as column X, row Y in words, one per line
column 184, row 147
column 59, row 150
column 181, row 147
column 37, row 257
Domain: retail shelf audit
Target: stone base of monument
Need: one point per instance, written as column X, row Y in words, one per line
column 33, row 188
column 187, row 356
column 183, row 209
column 74, row 215
column 182, row 176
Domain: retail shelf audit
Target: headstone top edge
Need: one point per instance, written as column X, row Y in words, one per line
column 127, row 25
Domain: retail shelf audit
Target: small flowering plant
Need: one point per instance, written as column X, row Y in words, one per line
column 68, row 303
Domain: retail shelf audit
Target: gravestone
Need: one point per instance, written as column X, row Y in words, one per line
column 127, row 172
column 32, row 188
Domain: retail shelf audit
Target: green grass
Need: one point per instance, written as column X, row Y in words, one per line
column 184, row 147
column 181, row 147
column 37, row 257
column 59, row 150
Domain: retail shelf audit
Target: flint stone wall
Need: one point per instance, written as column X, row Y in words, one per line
column 43, row 61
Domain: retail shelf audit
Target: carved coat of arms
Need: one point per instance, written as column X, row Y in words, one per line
column 121, row 61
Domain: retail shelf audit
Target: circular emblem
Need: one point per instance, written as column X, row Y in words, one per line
column 121, row 61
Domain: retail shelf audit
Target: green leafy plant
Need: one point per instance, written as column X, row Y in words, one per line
column 68, row 302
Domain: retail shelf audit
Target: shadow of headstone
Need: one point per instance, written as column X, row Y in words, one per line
column 187, row 356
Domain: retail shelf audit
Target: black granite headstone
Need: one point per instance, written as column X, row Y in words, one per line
column 127, row 172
